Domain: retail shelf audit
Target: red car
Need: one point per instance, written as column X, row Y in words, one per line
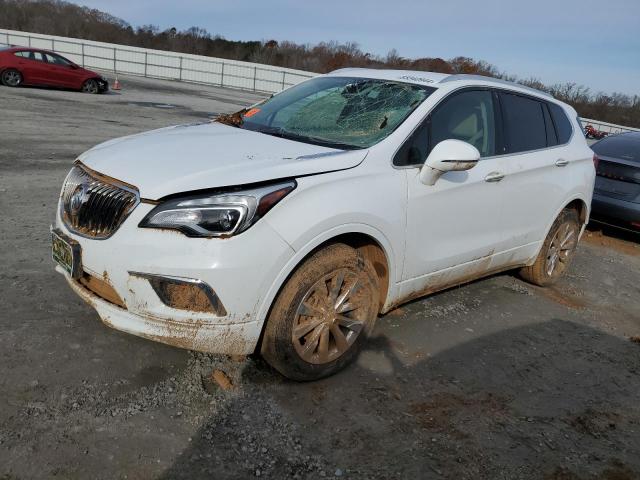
column 31, row 66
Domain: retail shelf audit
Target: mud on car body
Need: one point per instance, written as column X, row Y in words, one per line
column 286, row 229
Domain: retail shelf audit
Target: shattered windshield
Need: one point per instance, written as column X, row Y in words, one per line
column 337, row 112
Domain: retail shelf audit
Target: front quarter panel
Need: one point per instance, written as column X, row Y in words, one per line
column 369, row 199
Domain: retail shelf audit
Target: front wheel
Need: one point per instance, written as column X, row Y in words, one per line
column 323, row 315
column 11, row 78
column 90, row 86
column 557, row 251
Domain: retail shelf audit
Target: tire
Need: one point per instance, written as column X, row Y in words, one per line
column 12, row 78
column 323, row 315
column 90, row 86
column 557, row 251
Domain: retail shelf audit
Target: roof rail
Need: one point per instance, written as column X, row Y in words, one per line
column 464, row 76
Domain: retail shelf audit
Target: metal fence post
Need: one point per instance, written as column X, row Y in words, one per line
column 82, row 45
column 146, row 61
column 222, row 75
column 283, row 74
column 114, row 60
column 28, row 37
column 180, row 68
column 255, row 74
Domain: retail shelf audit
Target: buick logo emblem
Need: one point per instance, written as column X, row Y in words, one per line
column 78, row 197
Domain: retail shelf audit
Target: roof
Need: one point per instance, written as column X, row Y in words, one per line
column 17, row 48
column 432, row 78
column 410, row 76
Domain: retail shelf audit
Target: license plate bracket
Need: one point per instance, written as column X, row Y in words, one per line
column 67, row 253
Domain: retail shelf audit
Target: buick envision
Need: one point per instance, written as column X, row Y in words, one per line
column 288, row 227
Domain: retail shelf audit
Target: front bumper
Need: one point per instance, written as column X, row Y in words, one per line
column 239, row 269
column 232, row 339
column 103, row 86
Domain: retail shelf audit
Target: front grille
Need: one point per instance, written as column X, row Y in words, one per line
column 93, row 205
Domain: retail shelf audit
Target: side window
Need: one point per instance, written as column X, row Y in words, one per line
column 414, row 150
column 563, row 125
column 552, row 137
column 31, row 56
column 468, row 116
column 524, row 125
column 56, row 60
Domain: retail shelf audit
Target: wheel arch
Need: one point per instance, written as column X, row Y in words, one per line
column 87, row 78
column 581, row 207
column 577, row 203
column 368, row 241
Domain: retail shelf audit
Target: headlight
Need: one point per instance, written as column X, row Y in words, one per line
column 218, row 214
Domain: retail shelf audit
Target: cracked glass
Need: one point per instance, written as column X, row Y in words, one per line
column 338, row 112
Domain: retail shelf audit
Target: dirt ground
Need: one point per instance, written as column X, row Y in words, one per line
column 493, row 380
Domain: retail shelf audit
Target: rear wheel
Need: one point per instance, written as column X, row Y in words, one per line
column 11, row 78
column 90, row 86
column 323, row 315
column 557, row 251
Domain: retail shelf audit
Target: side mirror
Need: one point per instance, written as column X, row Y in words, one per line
column 448, row 156
column 74, row 66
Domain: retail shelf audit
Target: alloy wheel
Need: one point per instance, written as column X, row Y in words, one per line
column 12, row 78
column 561, row 247
column 330, row 317
column 90, row 86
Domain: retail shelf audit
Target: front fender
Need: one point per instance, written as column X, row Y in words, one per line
column 302, row 253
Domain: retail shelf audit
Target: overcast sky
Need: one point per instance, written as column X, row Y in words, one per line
column 595, row 43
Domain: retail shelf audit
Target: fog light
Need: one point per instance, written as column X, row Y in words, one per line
column 184, row 293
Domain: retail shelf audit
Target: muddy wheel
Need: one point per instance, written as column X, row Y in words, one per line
column 11, row 78
column 557, row 251
column 323, row 315
column 90, row 86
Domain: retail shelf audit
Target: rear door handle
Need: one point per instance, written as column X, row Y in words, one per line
column 561, row 162
column 494, row 177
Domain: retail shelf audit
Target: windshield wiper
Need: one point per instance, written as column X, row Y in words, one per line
column 281, row 133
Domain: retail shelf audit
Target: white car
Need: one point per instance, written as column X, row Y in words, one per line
column 287, row 228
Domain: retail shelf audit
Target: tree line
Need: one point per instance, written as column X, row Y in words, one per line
column 57, row 17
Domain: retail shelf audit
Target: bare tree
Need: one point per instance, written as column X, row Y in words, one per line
column 57, row 17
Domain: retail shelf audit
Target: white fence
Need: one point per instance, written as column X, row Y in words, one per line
column 162, row 64
column 185, row 67
column 607, row 127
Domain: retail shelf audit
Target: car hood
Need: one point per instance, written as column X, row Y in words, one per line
column 194, row 157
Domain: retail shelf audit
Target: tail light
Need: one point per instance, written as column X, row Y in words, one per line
column 596, row 161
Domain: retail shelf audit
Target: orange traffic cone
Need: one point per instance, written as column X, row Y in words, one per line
column 116, row 85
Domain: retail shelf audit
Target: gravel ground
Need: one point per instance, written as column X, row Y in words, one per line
column 493, row 380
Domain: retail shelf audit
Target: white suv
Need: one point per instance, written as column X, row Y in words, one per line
column 287, row 228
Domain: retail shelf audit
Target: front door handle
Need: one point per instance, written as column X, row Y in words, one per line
column 494, row 177
column 561, row 162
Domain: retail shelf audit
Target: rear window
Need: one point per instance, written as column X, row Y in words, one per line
column 524, row 123
column 563, row 125
column 624, row 147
